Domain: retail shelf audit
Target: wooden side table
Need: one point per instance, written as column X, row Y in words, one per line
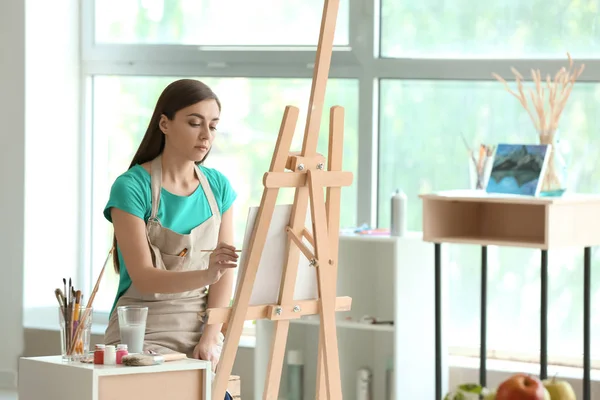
column 50, row 378
column 475, row 217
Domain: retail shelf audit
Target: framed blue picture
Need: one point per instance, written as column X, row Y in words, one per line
column 518, row 169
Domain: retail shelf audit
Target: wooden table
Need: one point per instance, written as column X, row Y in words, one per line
column 50, row 378
column 475, row 217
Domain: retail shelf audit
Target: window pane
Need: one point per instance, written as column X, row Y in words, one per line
column 421, row 150
column 495, row 28
column 250, row 120
column 215, row 22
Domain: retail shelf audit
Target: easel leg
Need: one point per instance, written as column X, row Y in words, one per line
column 321, row 386
column 330, row 354
column 273, row 379
column 333, row 199
column 286, row 296
column 263, row 221
column 327, row 287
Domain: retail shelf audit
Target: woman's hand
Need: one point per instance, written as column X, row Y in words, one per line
column 209, row 348
column 222, row 258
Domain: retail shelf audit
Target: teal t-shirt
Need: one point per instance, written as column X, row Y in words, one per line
column 131, row 192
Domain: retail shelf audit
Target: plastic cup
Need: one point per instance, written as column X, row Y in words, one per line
column 132, row 326
column 75, row 330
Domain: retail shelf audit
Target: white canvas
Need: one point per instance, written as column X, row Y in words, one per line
column 270, row 269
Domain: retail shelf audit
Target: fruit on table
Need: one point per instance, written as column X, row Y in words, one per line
column 467, row 391
column 559, row 389
column 522, row 387
column 492, row 395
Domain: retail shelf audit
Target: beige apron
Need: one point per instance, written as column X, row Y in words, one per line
column 173, row 323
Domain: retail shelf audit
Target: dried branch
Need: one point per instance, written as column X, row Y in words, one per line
column 556, row 91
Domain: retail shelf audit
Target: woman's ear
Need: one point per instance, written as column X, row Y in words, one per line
column 163, row 124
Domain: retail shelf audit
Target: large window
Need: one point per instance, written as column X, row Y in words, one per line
column 493, row 28
column 423, row 123
column 215, row 22
column 414, row 79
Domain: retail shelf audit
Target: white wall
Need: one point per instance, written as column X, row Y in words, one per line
column 12, row 187
column 52, row 149
column 39, row 174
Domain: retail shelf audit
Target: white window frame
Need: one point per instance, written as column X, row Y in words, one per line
column 358, row 60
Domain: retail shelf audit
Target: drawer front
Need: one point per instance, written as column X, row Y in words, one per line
column 180, row 385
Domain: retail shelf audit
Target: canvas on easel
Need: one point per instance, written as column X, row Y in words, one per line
column 270, row 269
column 317, row 182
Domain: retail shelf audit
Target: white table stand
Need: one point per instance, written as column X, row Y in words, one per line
column 50, row 378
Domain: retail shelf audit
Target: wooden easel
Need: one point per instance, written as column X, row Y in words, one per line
column 306, row 173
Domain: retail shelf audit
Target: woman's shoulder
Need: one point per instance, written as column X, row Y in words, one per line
column 130, row 192
column 136, row 177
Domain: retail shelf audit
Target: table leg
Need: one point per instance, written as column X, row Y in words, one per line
column 587, row 261
column 544, row 317
column 483, row 322
column 438, row 321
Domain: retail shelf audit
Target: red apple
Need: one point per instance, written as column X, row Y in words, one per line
column 521, row 387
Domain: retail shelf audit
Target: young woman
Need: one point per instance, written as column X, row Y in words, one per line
column 173, row 227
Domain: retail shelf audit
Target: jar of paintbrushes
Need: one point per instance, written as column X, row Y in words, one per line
column 480, row 164
column 75, row 318
column 75, row 321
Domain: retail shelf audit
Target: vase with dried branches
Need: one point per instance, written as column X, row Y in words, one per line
column 548, row 99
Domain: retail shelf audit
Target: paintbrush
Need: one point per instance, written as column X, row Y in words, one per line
column 90, row 303
column 76, row 309
column 482, row 151
column 77, row 304
column 59, row 297
column 209, row 251
column 61, row 301
column 144, row 360
column 65, row 293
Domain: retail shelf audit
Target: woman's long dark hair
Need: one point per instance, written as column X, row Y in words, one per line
column 176, row 96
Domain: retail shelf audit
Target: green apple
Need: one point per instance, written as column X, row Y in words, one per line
column 559, row 389
column 491, row 395
column 466, row 391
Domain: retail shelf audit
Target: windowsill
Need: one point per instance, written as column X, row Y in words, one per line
column 46, row 319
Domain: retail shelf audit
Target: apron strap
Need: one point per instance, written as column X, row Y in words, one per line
column 210, row 196
column 156, row 184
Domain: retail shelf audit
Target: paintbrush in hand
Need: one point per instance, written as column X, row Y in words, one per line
column 144, row 360
column 210, row 251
